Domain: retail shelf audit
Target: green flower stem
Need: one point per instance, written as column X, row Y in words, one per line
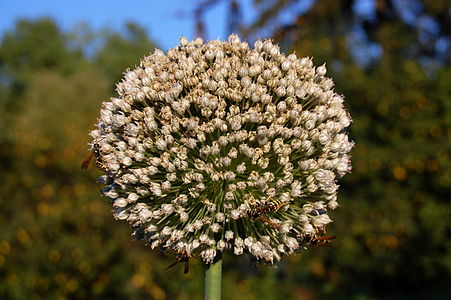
column 213, row 278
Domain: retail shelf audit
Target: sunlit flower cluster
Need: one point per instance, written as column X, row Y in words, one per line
column 217, row 146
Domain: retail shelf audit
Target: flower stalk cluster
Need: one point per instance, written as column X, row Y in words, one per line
column 216, row 146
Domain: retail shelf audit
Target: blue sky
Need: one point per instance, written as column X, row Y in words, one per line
column 162, row 19
column 165, row 20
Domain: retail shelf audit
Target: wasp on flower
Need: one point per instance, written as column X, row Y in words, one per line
column 194, row 130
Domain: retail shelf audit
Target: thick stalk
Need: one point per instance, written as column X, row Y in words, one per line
column 213, row 278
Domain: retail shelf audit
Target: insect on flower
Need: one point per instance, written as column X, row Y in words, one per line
column 318, row 212
column 182, row 256
column 320, row 241
column 260, row 213
column 273, row 207
column 100, row 161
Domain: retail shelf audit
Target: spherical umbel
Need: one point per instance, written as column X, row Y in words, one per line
column 217, row 146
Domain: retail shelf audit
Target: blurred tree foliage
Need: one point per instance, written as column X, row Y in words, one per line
column 120, row 52
column 390, row 60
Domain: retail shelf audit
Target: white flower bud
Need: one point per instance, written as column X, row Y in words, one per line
column 321, row 71
column 286, row 65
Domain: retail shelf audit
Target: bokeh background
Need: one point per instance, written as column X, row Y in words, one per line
column 390, row 58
